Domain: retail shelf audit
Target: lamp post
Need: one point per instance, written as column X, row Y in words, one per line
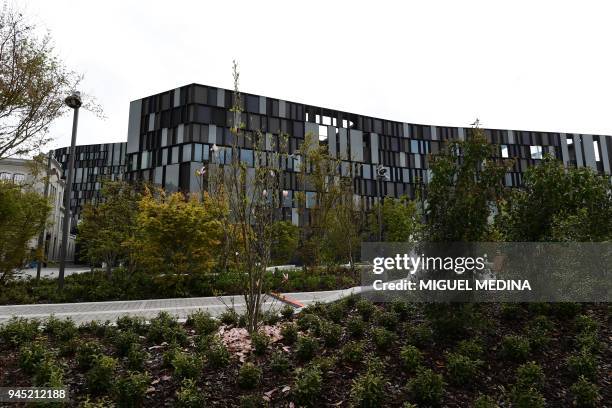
column 381, row 175
column 74, row 102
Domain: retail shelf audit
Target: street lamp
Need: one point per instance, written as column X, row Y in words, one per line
column 381, row 175
column 74, row 102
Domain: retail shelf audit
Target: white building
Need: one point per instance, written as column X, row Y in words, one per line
column 32, row 173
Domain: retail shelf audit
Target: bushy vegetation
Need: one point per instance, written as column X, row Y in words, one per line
column 190, row 365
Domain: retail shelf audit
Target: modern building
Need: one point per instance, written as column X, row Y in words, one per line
column 171, row 134
column 22, row 171
column 93, row 163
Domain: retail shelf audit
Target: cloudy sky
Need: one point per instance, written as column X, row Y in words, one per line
column 533, row 65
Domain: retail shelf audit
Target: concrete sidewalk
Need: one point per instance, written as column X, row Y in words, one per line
column 180, row 307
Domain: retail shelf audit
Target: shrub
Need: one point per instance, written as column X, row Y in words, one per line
column 260, row 342
column 60, row 329
column 252, row 401
column 124, row 341
column 229, row 317
column 287, row 312
column 249, row 376
column 306, row 348
column 353, row 352
column 388, row 320
column 515, row 348
column 289, row 332
column 588, row 342
column 538, row 331
column 168, row 355
column 470, row 348
column 586, row 324
column 309, row 322
column 567, row 310
column 217, row 354
column 530, row 375
column 100, row 403
column 325, row 364
column 484, row 401
column 351, row 300
column 31, row 355
column 585, row 393
column 270, row 318
column 411, row 358
column 166, row 328
column 419, row 335
column 136, row 324
column 331, row 333
column 279, row 363
column 462, row 369
column 100, row 377
column 67, row 348
column 368, row 391
column 366, row 309
column 186, row 365
column 49, row 373
column 130, row 390
column 526, row 398
column 188, row 396
column 202, row 322
column 18, row 330
column 426, row 387
column 87, row 353
column 336, row 312
column 136, row 357
column 307, row 386
column 401, row 309
column 355, row 327
column 582, row 364
column 383, row 338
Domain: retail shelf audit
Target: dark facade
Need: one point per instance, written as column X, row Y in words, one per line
column 171, row 134
column 93, row 163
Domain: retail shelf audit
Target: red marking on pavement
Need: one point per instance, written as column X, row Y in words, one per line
column 286, row 299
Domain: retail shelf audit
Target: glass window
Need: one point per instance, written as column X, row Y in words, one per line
column 175, row 154
column 5, row 176
column 596, row 148
column 19, row 178
column 322, row 132
column 504, row 151
column 186, row 153
column 197, row 153
column 327, row 120
column 536, row 152
column 246, row 156
column 414, row 146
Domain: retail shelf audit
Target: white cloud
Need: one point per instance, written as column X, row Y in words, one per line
column 523, row 65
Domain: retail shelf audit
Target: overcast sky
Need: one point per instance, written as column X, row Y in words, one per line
column 532, row 65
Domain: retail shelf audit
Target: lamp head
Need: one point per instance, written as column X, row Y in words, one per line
column 74, row 100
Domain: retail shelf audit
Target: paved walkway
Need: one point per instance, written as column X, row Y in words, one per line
column 51, row 272
column 182, row 307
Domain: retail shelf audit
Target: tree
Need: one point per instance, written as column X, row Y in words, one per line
column 400, row 219
column 251, row 190
column 23, row 213
column 106, row 226
column 175, row 234
column 33, row 85
column 320, row 173
column 466, row 185
column 558, row 204
column 343, row 228
column 286, row 238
